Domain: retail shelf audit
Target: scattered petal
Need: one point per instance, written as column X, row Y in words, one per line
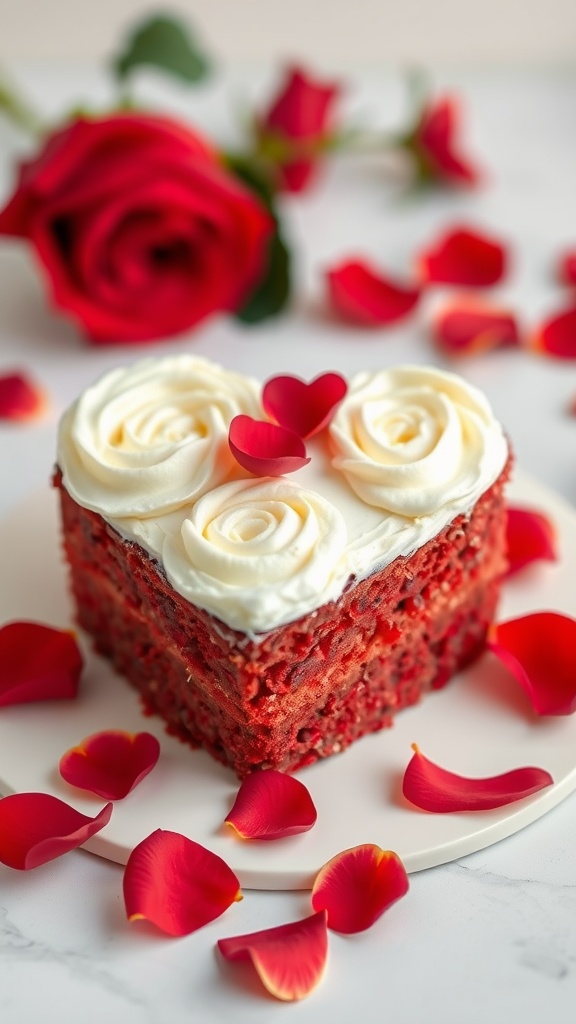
column 37, row 662
column 463, row 256
column 538, row 649
column 436, row 148
column 289, row 959
column 557, row 335
column 356, row 886
column 20, row 398
column 36, row 828
column 271, row 805
column 466, row 326
column 359, row 293
column 567, row 268
column 530, row 537
column 265, row 449
column 303, row 408
column 177, row 884
column 110, row 763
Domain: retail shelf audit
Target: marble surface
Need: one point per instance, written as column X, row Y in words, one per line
column 490, row 937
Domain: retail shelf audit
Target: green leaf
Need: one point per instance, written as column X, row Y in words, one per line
column 162, row 42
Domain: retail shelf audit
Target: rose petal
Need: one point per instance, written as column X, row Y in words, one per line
column 20, row 398
column 359, row 293
column 557, row 335
column 433, row 788
column 303, row 408
column 436, row 144
column 110, row 763
column 467, row 326
column 463, row 256
column 265, row 449
column 271, row 805
column 539, row 650
column 289, row 959
column 177, row 884
column 36, row 828
column 567, row 268
column 37, row 662
column 530, row 537
column 356, row 886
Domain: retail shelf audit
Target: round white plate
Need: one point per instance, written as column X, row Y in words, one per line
column 479, row 725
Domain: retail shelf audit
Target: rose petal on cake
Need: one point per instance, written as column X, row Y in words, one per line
column 467, row 326
column 37, row 662
column 20, row 398
column 463, row 256
column 289, row 959
column 303, row 408
column 36, row 828
column 539, row 650
column 265, row 449
column 110, row 763
column 433, row 788
column 177, row 884
column 356, row 886
column 364, row 296
column 530, row 537
column 557, row 335
column 567, row 267
column 271, row 805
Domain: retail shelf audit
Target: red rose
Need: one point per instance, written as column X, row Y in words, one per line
column 434, row 144
column 141, row 230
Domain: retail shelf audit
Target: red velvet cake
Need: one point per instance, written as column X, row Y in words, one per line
column 274, row 621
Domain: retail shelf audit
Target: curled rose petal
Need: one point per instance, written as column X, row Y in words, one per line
column 265, row 449
column 433, row 788
column 37, row 827
column 356, row 886
column 20, row 398
column 110, row 763
column 177, row 884
column 538, row 649
column 271, row 805
column 467, row 326
column 303, row 408
column 530, row 537
column 37, row 662
column 359, row 293
column 557, row 335
column 463, row 256
column 567, row 267
column 289, row 959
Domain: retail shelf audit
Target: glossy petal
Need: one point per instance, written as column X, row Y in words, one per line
column 110, row 763
column 36, row 828
column 530, row 537
column 557, row 335
column 357, row 886
column 265, row 449
column 463, row 256
column 467, row 326
column 303, row 408
column 177, row 884
column 539, row 650
column 20, row 398
column 37, row 662
column 271, row 805
column 567, row 268
column 289, row 959
column 433, row 788
column 361, row 294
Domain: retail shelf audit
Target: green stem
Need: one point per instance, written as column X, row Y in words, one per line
column 17, row 110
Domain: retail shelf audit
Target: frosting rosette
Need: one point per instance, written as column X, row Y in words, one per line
column 413, row 440
column 147, row 439
column 258, row 553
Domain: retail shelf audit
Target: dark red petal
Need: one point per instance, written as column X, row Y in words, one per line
column 463, row 256
column 110, row 763
column 271, row 805
column 359, row 293
column 265, row 449
column 567, row 268
column 530, row 537
column 177, row 884
column 289, row 959
column 539, row 650
column 20, row 398
column 36, row 828
column 557, row 335
column 303, row 408
column 356, row 886
column 467, row 326
column 37, row 662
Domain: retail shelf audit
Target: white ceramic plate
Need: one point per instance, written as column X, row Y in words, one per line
column 479, row 725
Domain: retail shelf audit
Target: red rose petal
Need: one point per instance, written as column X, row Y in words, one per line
column 265, row 449
column 36, row 828
column 303, row 408
column 177, row 884
column 467, row 326
column 539, row 650
column 359, row 293
column 433, row 788
column 289, row 959
column 20, row 398
column 530, row 537
column 463, row 256
column 567, row 268
column 557, row 335
column 356, row 886
column 110, row 763
column 271, row 805
column 37, row 662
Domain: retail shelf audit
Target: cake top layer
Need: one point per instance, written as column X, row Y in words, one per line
column 146, row 447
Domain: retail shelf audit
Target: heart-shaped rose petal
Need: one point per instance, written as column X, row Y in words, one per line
column 110, row 763
column 300, row 407
column 265, row 449
column 271, row 805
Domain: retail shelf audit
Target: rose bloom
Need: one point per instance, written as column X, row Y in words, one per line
column 435, row 145
column 141, row 230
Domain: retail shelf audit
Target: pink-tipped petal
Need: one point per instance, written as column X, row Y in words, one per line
column 557, row 335
column 466, row 326
column 463, row 256
column 37, row 662
column 177, row 884
column 271, row 805
column 36, row 828
column 289, row 959
column 356, row 886
column 110, row 763
column 265, row 449
column 539, row 650
column 303, row 408
column 364, row 296
column 567, row 268
column 530, row 537
column 20, row 398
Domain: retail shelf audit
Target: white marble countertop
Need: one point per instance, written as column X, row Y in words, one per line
column 490, row 937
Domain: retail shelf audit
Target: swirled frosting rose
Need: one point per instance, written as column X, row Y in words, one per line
column 414, row 440
column 145, row 440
